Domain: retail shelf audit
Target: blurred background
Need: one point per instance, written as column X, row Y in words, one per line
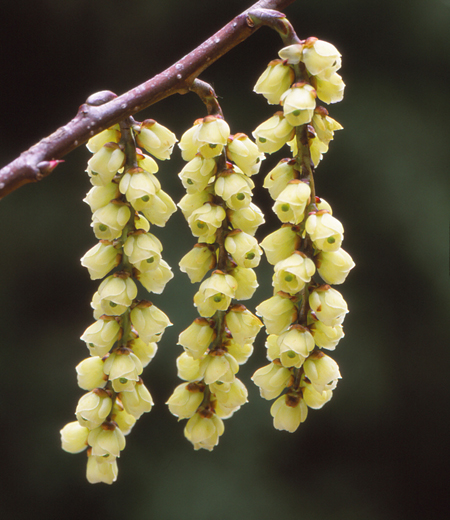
column 379, row 449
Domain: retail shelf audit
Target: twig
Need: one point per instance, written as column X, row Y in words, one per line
column 105, row 109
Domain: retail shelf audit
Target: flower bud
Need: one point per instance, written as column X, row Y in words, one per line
column 74, row 437
column 99, row 196
column 155, row 138
column 197, row 173
column 229, row 397
column 277, row 313
column 105, row 163
column 189, row 369
column 247, row 219
column 325, row 231
column 185, row 400
column 146, row 162
column 161, row 208
column 219, row 368
column 107, row 443
column 274, row 81
column 299, row 103
column 123, row 368
column 93, row 408
column 315, row 399
column 198, row 262
column 240, row 351
column 90, row 373
column 288, row 413
column 207, row 136
column 330, row 90
column 235, row 189
column 137, row 401
column 197, row 337
column 295, row 345
column 272, row 380
column 244, row 153
column 192, row 201
column 291, row 202
column 116, row 294
column 324, row 125
column 139, row 187
column 246, row 282
column 144, row 351
column 292, row 53
column 98, row 471
column 100, row 259
column 109, row 221
column 204, row 432
column 243, row 248
column 205, row 221
column 326, row 336
column 215, row 294
column 101, row 336
column 110, row 135
column 322, row 371
column 243, row 325
column 293, row 273
column 334, row 266
column 156, row 279
column 148, row 321
column 280, row 244
column 321, row 57
column 278, row 178
column 271, row 135
column 143, row 251
column 328, row 306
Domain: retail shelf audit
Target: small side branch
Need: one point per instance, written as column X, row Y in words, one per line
column 105, row 109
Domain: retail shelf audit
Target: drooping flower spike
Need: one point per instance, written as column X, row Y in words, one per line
column 305, row 314
column 126, row 198
column 220, row 214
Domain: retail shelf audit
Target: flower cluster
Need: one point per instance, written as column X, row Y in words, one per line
column 304, row 315
column 305, row 72
column 125, row 198
column 220, row 213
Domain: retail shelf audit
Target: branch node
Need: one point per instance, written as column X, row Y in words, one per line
column 100, row 98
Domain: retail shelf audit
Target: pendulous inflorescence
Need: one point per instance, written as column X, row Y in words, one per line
column 304, row 315
column 125, row 199
column 220, row 214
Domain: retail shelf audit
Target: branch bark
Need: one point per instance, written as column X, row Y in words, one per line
column 105, row 109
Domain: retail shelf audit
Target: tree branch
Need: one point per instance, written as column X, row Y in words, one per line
column 105, row 109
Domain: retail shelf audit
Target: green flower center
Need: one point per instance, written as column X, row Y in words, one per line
column 250, row 256
column 150, row 260
column 190, row 182
column 123, row 380
column 112, row 304
column 296, row 112
column 218, row 298
column 200, row 224
column 331, row 240
column 240, row 196
column 289, row 278
column 262, row 139
column 285, row 207
column 291, row 354
column 145, row 198
column 211, row 145
column 102, row 227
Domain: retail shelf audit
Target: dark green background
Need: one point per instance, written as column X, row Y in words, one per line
column 379, row 449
